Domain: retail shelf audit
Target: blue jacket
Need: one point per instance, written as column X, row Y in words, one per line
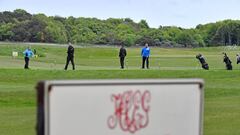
column 145, row 52
column 28, row 53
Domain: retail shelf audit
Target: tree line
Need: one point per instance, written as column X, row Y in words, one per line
column 21, row 26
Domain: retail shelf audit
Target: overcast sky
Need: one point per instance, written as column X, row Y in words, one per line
column 183, row 13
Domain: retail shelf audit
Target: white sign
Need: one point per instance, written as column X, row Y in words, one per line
column 121, row 107
column 15, row 54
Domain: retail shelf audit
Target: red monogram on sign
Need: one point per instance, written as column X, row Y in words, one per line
column 131, row 110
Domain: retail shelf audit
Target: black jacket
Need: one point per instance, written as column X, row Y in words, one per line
column 122, row 52
column 70, row 51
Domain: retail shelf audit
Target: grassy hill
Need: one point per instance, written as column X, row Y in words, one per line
column 17, row 86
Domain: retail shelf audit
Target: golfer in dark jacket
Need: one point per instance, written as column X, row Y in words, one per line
column 122, row 55
column 70, row 56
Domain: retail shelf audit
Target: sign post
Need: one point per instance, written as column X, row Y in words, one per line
column 120, row 107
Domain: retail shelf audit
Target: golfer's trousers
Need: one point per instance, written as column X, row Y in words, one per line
column 26, row 62
column 70, row 58
column 145, row 59
column 122, row 62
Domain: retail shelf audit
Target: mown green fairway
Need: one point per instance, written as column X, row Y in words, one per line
column 54, row 57
column 17, row 86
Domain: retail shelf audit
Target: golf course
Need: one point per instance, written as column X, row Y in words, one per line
column 18, row 93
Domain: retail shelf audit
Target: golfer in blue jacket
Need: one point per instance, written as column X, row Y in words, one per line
column 27, row 54
column 145, row 56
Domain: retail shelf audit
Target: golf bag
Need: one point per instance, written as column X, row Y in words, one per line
column 203, row 62
column 228, row 62
column 205, row 66
column 238, row 59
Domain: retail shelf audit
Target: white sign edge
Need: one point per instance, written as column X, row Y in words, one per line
column 49, row 83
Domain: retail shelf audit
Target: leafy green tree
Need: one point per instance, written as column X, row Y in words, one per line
column 143, row 24
column 57, row 31
column 185, row 38
column 21, row 15
column 7, row 17
column 20, row 25
column 5, row 31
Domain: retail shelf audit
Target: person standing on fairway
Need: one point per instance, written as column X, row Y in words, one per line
column 27, row 54
column 122, row 55
column 145, row 56
column 70, row 56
